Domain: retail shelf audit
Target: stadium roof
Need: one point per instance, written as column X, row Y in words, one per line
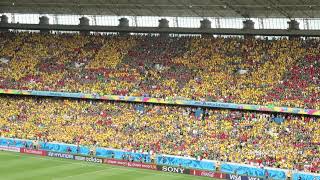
column 180, row 8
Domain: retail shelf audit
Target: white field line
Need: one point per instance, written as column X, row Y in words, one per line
column 103, row 170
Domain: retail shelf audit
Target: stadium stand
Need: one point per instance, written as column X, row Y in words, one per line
column 284, row 141
column 159, row 63
column 250, row 71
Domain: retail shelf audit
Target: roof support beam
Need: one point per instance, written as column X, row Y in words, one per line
column 189, row 7
column 207, row 8
column 306, row 14
column 217, row 31
column 279, row 9
column 229, row 5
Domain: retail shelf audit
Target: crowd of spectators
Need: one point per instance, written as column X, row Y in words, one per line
column 254, row 71
column 276, row 140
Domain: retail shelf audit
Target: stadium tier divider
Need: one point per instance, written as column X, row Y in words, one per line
column 168, row 101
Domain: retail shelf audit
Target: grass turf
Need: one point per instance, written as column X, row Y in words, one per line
column 15, row 166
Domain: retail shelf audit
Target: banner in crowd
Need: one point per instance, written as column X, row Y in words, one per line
column 187, row 162
column 173, row 169
column 33, row 151
column 252, row 171
column 9, row 148
column 120, row 154
column 116, row 162
column 237, row 177
column 269, row 108
column 130, row 164
column 215, row 175
column 305, row 176
column 60, row 155
column 88, row 159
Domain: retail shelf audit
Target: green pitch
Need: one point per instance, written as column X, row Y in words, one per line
column 15, row 166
